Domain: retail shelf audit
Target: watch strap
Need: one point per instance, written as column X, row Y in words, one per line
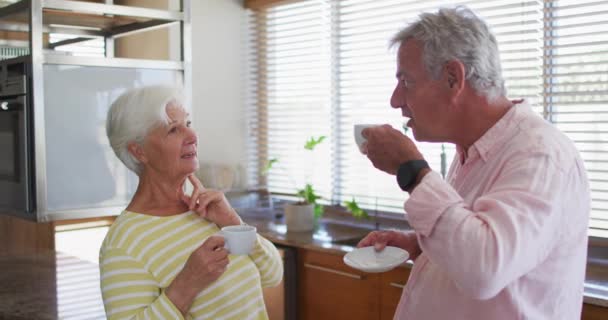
column 408, row 173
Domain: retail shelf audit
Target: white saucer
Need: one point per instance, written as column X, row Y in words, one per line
column 367, row 259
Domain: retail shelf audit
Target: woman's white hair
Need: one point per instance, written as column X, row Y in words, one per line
column 134, row 114
column 458, row 34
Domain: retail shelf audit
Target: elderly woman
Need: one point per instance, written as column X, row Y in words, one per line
column 161, row 258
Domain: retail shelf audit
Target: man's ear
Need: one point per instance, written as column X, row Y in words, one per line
column 454, row 75
column 137, row 151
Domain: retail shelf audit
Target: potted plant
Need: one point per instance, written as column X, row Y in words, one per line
column 302, row 215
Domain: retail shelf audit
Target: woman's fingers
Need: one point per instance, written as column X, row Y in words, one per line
column 196, row 182
column 214, row 242
column 198, row 189
column 203, row 200
column 208, row 197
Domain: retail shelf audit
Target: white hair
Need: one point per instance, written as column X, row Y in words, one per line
column 134, row 114
column 458, row 34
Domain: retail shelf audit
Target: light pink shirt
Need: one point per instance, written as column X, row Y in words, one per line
column 506, row 236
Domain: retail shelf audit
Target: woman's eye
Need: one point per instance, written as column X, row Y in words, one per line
column 188, row 123
column 173, row 130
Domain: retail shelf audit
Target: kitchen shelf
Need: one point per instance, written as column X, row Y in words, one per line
column 86, row 18
column 66, row 79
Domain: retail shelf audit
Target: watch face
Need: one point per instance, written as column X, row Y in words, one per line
column 408, row 172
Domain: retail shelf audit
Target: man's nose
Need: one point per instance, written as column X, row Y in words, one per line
column 398, row 98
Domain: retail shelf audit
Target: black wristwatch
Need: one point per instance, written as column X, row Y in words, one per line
column 408, row 172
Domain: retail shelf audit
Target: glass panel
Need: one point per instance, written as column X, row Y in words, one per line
column 82, row 170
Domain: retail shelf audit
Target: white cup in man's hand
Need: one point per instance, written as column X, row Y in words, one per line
column 359, row 138
column 239, row 239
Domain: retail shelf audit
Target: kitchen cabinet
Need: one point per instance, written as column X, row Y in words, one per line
column 391, row 287
column 593, row 312
column 328, row 289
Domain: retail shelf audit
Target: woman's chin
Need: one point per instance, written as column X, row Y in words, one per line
column 190, row 166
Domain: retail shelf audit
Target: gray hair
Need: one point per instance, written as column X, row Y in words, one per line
column 458, row 34
column 133, row 114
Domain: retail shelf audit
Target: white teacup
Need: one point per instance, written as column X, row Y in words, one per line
column 239, row 239
column 359, row 138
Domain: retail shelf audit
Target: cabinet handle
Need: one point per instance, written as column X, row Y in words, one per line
column 342, row 273
column 397, row 285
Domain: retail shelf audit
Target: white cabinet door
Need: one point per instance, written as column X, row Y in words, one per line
column 82, row 171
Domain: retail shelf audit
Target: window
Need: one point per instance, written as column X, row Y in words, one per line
column 317, row 67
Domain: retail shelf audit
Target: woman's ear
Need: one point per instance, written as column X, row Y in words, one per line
column 137, row 151
column 454, row 75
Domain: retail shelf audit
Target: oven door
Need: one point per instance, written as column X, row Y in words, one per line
column 15, row 166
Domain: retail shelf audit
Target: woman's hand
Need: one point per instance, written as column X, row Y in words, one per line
column 211, row 204
column 205, row 265
column 404, row 240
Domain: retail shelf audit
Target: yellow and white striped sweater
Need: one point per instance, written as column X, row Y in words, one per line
column 142, row 254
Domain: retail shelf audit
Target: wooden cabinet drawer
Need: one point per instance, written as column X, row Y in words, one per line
column 328, row 289
column 391, row 287
column 593, row 312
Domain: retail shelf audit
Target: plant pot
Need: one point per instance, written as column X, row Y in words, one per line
column 299, row 217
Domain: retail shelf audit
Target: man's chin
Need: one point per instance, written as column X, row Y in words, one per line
column 422, row 137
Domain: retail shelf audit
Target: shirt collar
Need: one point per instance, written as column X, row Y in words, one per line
column 495, row 136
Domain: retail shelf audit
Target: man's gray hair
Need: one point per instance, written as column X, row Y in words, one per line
column 458, row 34
column 133, row 114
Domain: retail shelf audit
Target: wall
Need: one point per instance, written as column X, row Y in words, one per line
column 217, row 80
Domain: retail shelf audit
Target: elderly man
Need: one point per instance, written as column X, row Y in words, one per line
column 505, row 237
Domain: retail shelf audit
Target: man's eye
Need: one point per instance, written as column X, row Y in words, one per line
column 173, row 130
column 188, row 123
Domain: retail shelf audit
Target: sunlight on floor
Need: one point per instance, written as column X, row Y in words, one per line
column 83, row 243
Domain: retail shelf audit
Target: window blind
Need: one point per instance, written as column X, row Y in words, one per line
column 289, row 98
column 553, row 53
column 577, row 98
column 366, row 80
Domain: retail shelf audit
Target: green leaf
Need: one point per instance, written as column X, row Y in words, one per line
column 269, row 165
column 355, row 210
column 308, row 194
column 318, row 211
column 312, row 142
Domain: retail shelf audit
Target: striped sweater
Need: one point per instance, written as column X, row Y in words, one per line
column 142, row 254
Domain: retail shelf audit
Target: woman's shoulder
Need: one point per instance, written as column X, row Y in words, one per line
column 124, row 227
column 130, row 228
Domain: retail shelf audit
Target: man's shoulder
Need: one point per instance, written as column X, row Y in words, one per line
column 535, row 135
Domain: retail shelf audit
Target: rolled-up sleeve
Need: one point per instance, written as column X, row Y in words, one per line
column 504, row 234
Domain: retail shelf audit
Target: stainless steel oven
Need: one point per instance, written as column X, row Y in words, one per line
column 16, row 140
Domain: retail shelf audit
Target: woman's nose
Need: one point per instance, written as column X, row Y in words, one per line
column 191, row 137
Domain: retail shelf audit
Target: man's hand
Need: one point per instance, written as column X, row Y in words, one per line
column 404, row 240
column 388, row 148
